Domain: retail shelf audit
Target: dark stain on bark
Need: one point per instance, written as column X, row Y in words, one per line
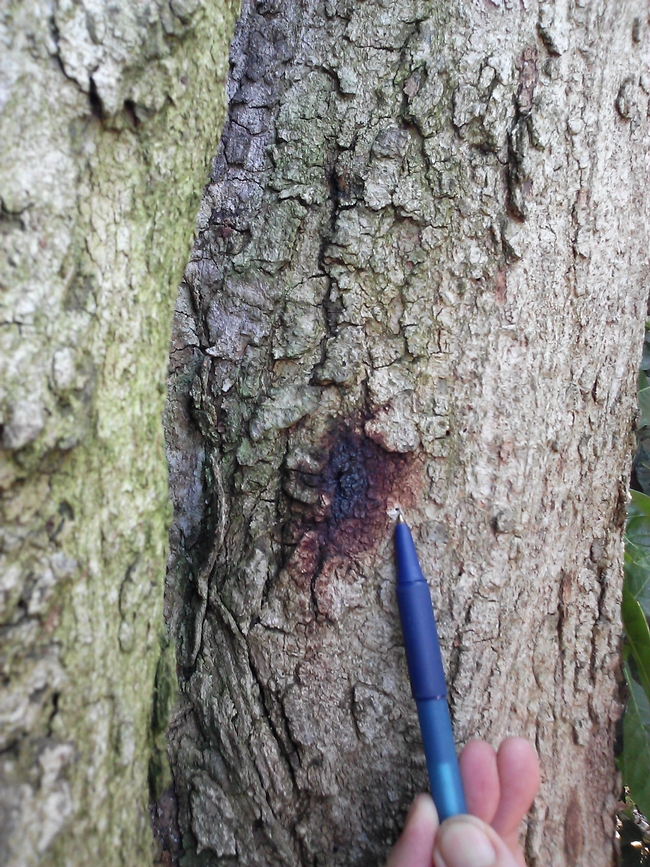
column 355, row 486
column 348, row 479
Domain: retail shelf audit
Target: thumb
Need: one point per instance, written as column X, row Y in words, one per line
column 415, row 846
column 465, row 841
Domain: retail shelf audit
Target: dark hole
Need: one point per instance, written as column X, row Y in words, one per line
column 130, row 112
column 95, row 101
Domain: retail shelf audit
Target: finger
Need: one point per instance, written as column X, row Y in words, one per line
column 519, row 778
column 415, row 845
column 465, row 841
column 478, row 768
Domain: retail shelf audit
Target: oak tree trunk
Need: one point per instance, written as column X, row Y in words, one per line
column 419, row 279
column 108, row 116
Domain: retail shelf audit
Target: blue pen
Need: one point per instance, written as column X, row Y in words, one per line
column 427, row 677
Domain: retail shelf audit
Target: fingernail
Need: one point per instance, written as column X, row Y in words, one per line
column 463, row 844
column 421, row 806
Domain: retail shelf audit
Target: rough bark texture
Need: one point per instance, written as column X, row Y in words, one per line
column 420, row 278
column 108, row 116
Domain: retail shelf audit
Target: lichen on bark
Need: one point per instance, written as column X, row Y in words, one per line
column 419, row 277
column 108, row 115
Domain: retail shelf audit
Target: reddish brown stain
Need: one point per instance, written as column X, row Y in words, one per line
column 304, row 560
column 358, row 480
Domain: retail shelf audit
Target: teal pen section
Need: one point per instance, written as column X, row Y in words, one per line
column 442, row 764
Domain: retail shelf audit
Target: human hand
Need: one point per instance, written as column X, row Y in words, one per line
column 499, row 789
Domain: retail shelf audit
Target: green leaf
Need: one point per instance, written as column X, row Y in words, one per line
column 638, row 521
column 642, row 468
column 638, row 635
column 639, row 506
column 644, row 406
column 637, row 574
column 645, row 358
column 635, row 758
column 638, row 532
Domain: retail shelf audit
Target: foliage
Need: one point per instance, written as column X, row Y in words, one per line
column 634, row 759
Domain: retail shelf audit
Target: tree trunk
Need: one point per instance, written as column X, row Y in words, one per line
column 420, row 279
column 109, row 113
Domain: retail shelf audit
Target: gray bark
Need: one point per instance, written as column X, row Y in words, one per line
column 108, row 116
column 419, row 279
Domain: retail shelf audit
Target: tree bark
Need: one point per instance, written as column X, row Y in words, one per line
column 109, row 113
column 419, row 279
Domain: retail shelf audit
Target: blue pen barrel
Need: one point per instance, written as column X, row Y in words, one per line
column 421, row 640
column 427, row 678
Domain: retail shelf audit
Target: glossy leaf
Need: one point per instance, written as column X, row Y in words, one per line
column 637, row 635
column 637, row 574
column 635, row 758
column 645, row 360
column 638, row 520
column 638, row 532
column 642, row 467
column 639, row 505
column 644, row 406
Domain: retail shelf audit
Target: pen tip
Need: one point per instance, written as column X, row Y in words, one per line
column 400, row 518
